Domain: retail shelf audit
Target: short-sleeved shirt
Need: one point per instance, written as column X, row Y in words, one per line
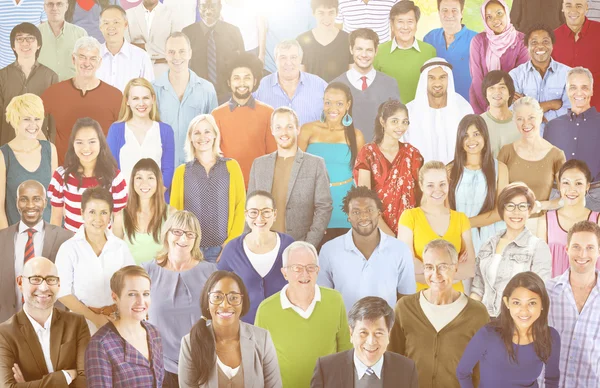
column 57, row 51
column 328, row 61
column 501, row 132
column 375, row 14
column 11, row 14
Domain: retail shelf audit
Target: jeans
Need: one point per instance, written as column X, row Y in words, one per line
column 211, row 253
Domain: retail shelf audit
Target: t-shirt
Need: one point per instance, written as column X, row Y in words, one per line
column 501, row 132
column 441, row 315
column 283, row 170
column 329, row 61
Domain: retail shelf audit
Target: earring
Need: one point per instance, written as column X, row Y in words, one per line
column 347, row 120
column 322, row 119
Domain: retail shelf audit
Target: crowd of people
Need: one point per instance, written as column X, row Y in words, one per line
column 303, row 193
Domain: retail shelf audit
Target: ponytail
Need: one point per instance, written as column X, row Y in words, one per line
column 203, row 350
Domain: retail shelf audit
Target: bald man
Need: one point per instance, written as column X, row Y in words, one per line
column 31, row 232
column 41, row 346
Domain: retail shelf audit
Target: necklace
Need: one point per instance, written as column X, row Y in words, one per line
column 19, row 151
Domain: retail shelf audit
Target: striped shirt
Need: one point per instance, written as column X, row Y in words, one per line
column 11, row 14
column 375, row 15
column 593, row 10
column 579, row 332
column 68, row 196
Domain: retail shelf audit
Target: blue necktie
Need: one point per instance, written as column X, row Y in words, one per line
column 211, row 57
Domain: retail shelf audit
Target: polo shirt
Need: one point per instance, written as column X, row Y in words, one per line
column 57, row 51
column 11, row 14
column 130, row 62
column 375, row 14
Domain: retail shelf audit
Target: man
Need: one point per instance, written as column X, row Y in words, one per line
column 542, row 77
column 297, row 180
column 121, row 61
column 86, row 14
column 214, row 44
column 81, row 96
column 42, row 239
column 434, row 326
column 368, row 364
column 244, row 122
column 13, row 13
column 404, row 55
column 576, row 133
column 59, row 38
column 453, row 42
column 525, row 14
column 575, row 308
column 370, row 88
column 435, row 112
column 290, row 87
column 305, row 321
column 577, row 42
column 365, row 261
column 181, row 95
column 149, row 24
column 42, row 346
column 372, row 14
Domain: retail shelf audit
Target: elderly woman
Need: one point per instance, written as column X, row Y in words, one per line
column 178, row 275
column 439, row 319
column 210, row 186
column 223, row 351
column 126, row 353
column 510, row 251
column 25, row 157
column 256, row 256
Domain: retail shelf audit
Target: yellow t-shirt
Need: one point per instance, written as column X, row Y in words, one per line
column 415, row 220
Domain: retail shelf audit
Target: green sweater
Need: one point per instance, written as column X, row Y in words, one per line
column 300, row 342
column 404, row 66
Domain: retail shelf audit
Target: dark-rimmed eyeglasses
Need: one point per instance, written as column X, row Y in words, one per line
column 28, row 39
column 299, row 268
column 266, row 212
column 510, row 207
column 217, row 297
column 188, row 234
column 37, row 280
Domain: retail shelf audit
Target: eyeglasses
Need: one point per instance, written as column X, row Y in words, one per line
column 37, row 280
column 266, row 212
column 234, row 298
column 510, row 207
column 29, row 39
column 357, row 213
column 441, row 268
column 179, row 233
column 299, row 268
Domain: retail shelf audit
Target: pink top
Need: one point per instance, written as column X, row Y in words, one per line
column 557, row 241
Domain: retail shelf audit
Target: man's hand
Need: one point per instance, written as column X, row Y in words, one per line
column 72, row 373
column 17, row 374
column 516, row 96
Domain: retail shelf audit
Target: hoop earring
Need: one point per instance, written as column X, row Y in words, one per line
column 322, row 119
column 347, row 120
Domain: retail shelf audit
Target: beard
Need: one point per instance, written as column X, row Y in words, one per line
column 242, row 96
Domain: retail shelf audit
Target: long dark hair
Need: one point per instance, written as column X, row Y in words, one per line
column 505, row 325
column 202, row 339
column 460, row 159
column 105, row 169
column 349, row 130
column 384, row 112
column 71, row 10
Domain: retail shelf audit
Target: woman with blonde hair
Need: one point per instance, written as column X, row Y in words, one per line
column 210, row 186
column 178, row 275
column 139, row 133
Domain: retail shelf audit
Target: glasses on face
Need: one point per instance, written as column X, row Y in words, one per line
column 37, row 280
column 266, row 212
column 356, row 213
column 441, row 268
column 188, row 234
column 511, row 207
column 28, row 39
column 299, row 268
column 234, row 298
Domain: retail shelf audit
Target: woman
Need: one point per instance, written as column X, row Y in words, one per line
column 88, row 163
column 513, row 349
column 573, row 182
column 145, row 213
column 389, row 166
column 178, row 275
column 510, row 251
column 210, row 186
column 24, row 157
column 532, row 159
column 126, row 353
column 434, row 220
column 335, row 139
column 257, row 256
column 499, row 47
column 87, row 261
column 221, row 350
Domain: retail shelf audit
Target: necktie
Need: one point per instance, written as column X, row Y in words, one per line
column 369, row 371
column 364, row 84
column 86, row 5
column 29, row 251
column 211, row 57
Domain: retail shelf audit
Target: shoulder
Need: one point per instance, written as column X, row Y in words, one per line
column 232, row 165
column 71, row 318
column 262, row 106
column 271, row 303
column 384, row 48
column 314, row 79
column 426, row 47
column 555, row 335
column 110, row 90
column 334, row 360
column 396, row 359
column 103, row 337
column 477, row 309
column 286, row 239
column 62, row 232
column 151, row 329
column 192, row 30
column 331, row 296
column 479, row 38
column 431, row 35
column 406, row 303
column 258, row 334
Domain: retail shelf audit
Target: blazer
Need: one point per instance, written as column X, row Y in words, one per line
column 69, row 336
column 309, row 203
column 163, row 24
column 54, row 236
column 259, row 361
column 337, row 370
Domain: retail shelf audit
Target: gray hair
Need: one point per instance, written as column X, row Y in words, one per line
column 286, row 44
column 31, row 182
column 371, row 308
column 443, row 244
column 581, row 70
column 87, row 43
column 531, row 102
column 288, row 110
column 297, row 245
column 179, row 34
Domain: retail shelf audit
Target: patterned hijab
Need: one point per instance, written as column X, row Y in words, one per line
column 498, row 44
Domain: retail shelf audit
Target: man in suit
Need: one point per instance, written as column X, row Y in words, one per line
column 368, row 365
column 42, row 346
column 297, row 180
column 44, row 241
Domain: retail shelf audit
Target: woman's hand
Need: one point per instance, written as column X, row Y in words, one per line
column 99, row 320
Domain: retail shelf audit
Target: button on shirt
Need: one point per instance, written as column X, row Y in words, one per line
column 130, row 62
column 20, row 242
column 361, row 368
column 286, row 304
column 57, row 51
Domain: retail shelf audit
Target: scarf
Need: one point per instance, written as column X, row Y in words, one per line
column 498, row 44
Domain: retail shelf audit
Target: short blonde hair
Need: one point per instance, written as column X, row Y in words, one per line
column 432, row 165
column 189, row 146
column 125, row 113
column 27, row 104
column 531, row 102
column 185, row 220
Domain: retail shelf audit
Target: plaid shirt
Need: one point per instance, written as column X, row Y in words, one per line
column 579, row 333
column 112, row 362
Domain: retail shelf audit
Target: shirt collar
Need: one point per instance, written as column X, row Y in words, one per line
column 16, row 64
column 415, row 45
column 80, row 234
column 285, row 302
column 36, row 326
column 563, row 280
column 583, row 115
column 275, row 79
column 125, row 50
column 153, row 9
column 356, row 76
column 552, row 67
column 39, row 227
column 251, row 103
column 350, row 246
column 362, row 368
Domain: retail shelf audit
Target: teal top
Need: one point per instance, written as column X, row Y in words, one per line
column 143, row 248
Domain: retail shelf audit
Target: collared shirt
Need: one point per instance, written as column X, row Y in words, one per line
column 20, row 242
column 251, row 103
column 414, row 45
column 149, row 16
column 388, row 271
column 362, row 368
column 286, row 304
column 375, row 14
column 355, row 77
column 12, row 14
column 57, row 51
column 130, row 62
column 307, row 101
column 579, row 334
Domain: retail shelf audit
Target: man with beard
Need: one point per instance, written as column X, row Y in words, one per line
column 244, row 122
column 365, row 261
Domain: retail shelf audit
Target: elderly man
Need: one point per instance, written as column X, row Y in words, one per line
column 434, row 326
column 290, row 87
column 305, row 321
column 13, row 13
column 435, row 112
column 297, row 180
column 575, row 308
column 365, row 261
column 368, row 364
column 30, row 237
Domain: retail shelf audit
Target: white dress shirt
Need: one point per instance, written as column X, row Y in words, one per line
column 20, row 242
column 415, row 45
column 130, row 62
column 286, row 304
column 362, row 368
column 355, row 77
column 149, row 16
